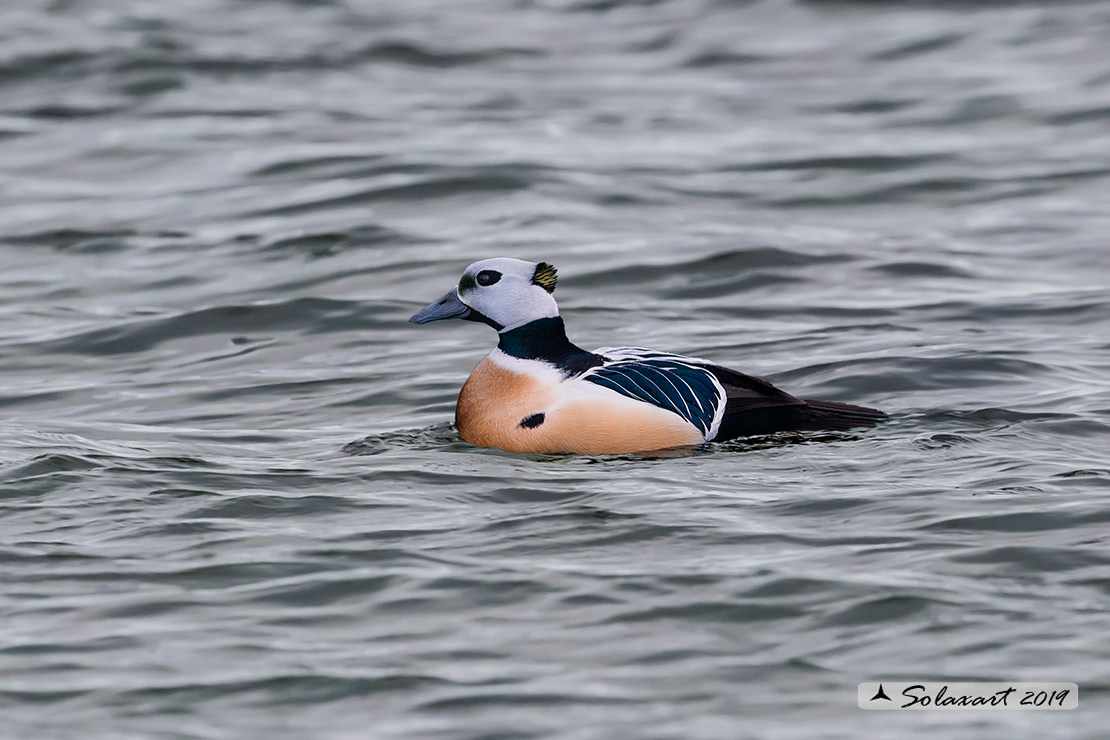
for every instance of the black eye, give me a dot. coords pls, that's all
(488, 277)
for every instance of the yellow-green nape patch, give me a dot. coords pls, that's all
(545, 276)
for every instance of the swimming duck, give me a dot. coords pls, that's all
(538, 392)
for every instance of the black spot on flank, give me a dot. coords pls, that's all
(533, 421)
(488, 277)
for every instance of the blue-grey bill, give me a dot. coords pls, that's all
(447, 307)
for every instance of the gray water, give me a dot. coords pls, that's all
(232, 502)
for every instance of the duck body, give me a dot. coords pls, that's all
(528, 406)
(536, 392)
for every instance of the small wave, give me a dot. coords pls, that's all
(695, 271)
(431, 437)
(444, 184)
(308, 315)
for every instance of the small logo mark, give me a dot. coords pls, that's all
(880, 694)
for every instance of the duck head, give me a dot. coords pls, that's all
(502, 292)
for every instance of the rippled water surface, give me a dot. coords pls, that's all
(233, 505)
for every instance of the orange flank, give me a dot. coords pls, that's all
(495, 400)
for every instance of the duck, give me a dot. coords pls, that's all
(537, 392)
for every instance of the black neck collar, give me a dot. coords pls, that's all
(546, 339)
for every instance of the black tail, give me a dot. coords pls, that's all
(813, 416)
(834, 415)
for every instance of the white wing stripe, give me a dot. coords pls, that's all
(664, 380)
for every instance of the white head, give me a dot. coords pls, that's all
(503, 292)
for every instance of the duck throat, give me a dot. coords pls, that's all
(546, 340)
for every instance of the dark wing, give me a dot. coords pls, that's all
(668, 381)
(754, 406)
(751, 405)
(746, 392)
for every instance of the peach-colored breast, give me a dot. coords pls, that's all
(495, 400)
